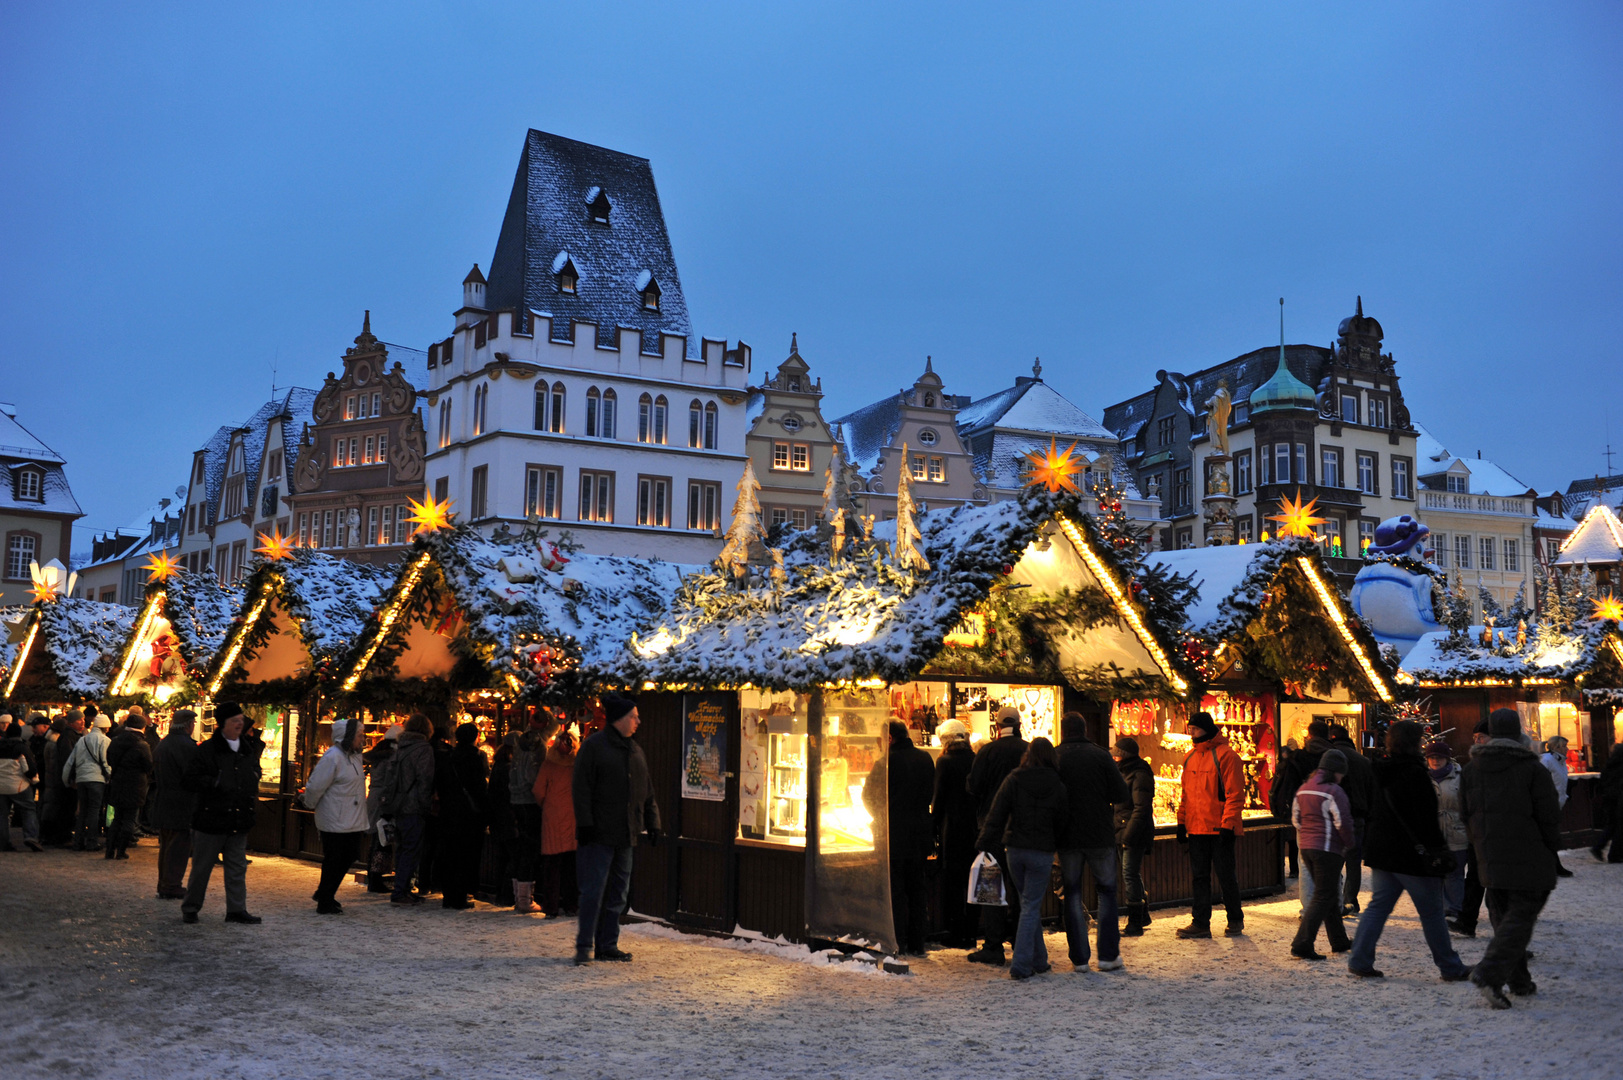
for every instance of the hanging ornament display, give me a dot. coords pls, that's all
(429, 515)
(1054, 469)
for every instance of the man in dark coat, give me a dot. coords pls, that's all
(460, 782)
(1611, 801)
(173, 804)
(225, 777)
(1135, 832)
(1093, 786)
(57, 828)
(1514, 817)
(993, 764)
(145, 825)
(952, 811)
(1359, 784)
(131, 761)
(614, 805)
(908, 776)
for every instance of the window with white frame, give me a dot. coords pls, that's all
(1513, 556)
(1349, 406)
(918, 467)
(780, 455)
(797, 517)
(653, 501)
(1456, 484)
(21, 550)
(1485, 549)
(1366, 533)
(1400, 479)
(1329, 467)
(1300, 475)
(1439, 542)
(1366, 473)
(596, 496)
(30, 486)
(704, 505)
(1242, 473)
(1242, 528)
(1282, 463)
(1377, 412)
(800, 457)
(1181, 493)
(611, 402)
(1462, 552)
(543, 491)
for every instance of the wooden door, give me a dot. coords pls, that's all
(705, 813)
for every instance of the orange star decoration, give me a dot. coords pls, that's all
(43, 590)
(429, 515)
(274, 545)
(1295, 519)
(160, 567)
(1609, 607)
(1053, 469)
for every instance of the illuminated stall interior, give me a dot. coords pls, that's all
(183, 623)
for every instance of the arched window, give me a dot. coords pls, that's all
(645, 418)
(557, 416)
(710, 419)
(541, 407)
(695, 423)
(592, 397)
(610, 400)
(661, 406)
(480, 393)
(445, 421)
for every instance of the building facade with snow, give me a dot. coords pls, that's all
(360, 455)
(114, 573)
(1328, 423)
(37, 508)
(570, 391)
(789, 443)
(1481, 520)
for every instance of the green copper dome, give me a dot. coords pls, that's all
(1282, 391)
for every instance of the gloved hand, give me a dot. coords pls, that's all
(653, 837)
(1227, 835)
(583, 835)
(1183, 835)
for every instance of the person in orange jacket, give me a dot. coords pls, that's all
(1208, 821)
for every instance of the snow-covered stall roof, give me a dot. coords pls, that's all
(863, 617)
(1593, 650)
(68, 650)
(299, 616)
(1236, 582)
(464, 599)
(1597, 539)
(193, 610)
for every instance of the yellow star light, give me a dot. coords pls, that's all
(274, 545)
(43, 590)
(160, 567)
(1609, 607)
(1294, 518)
(1053, 469)
(429, 515)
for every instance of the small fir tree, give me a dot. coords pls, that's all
(1518, 611)
(906, 553)
(1491, 611)
(746, 524)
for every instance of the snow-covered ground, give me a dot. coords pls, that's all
(97, 978)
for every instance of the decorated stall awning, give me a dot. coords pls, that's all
(1588, 653)
(1023, 589)
(519, 616)
(302, 611)
(1274, 607)
(182, 625)
(66, 650)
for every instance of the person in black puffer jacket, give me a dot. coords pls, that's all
(993, 763)
(130, 758)
(1611, 801)
(1029, 819)
(1094, 786)
(1513, 814)
(1135, 832)
(952, 811)
(225, 775)
(1403, 837)
(461, 783)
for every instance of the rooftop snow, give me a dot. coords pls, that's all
(1433, 457)
(1597, 539)
(1031, 405)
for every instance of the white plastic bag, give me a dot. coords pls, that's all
(986, 882)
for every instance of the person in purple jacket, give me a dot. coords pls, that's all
(1324, 831)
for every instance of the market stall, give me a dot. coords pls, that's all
(182, 625)
(300, 613)
(62, 653)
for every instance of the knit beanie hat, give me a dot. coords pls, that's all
(1333, 761)
(1504, 724)
(1204, 721)
(1128, 746)
(615, 706)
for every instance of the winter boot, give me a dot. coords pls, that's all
(1138, 917)
(523, 897)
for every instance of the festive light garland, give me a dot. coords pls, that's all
(238, 641)
(387, 620)
(1333, 606)
(147, 618)
(1123, 603)
(22, 655)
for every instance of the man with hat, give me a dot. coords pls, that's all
(995, 761)
(952, 812)
(1209, 822)
(225, 776)
(614, 805)
(1514, 818)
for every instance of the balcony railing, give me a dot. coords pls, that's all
(1475, 504)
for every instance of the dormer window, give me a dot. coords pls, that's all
(648, 289)
(1457, 484)
(597, 205)
(563, 268)
(30, 485)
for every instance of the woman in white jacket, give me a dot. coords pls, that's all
(336, 791)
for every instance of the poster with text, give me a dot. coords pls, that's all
(704, 752)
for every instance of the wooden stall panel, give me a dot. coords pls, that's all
(771, 891)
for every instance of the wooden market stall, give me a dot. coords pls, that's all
(301, 612)
(62, 653)
(183, 622)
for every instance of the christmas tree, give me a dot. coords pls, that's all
(1491, 611)
(906, 554)
(1518, 612)
(746, 524)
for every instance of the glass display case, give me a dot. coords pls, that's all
(772, 766)
(855, 735)
(277, 726)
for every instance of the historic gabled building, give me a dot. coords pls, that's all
(920, 423)
(360, 455)
(789, 443)
(37, 508)
(1481, 520)
(114, 573)
(1328, 423)
(570, 392)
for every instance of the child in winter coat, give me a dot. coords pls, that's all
(1324, 831)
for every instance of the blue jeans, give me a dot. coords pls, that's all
(605, 886)
(24, 802)
(1426, 893)
(1031, 871)
(1454, 885)
(408, 850)
(1102, 861)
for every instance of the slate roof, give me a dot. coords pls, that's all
(1432, 457)
(413, 363)
(18, 442)
(865, 432)
(296, 404)
(547, 215)
(19, 445)
(1244, 374)
(1001, 429)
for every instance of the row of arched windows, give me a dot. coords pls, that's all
(602, 416)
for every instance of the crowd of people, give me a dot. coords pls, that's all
(1451, 837)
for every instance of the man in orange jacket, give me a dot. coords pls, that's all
(1208, 821)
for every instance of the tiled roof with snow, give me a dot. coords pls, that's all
(57, 496)
(19, 443)
(413, 365)
(1031, 405)
(1433, 457)
(200, 611)
(868, 430)
(1243, 374)
(1597, 539)
(548, 213)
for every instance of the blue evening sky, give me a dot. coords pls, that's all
(192, 194)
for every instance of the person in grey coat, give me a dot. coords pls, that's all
(407, 796)
(173, 804)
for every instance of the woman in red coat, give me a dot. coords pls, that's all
(554, 794)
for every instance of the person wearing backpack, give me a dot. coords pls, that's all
(88, 771)
(528, 754)
(379, 763)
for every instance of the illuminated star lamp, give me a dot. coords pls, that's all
(1053, 469)
(1295, 519)
(51, 581)
(1608, 607)
(429, 515)
(274, 545)
(161, 567)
